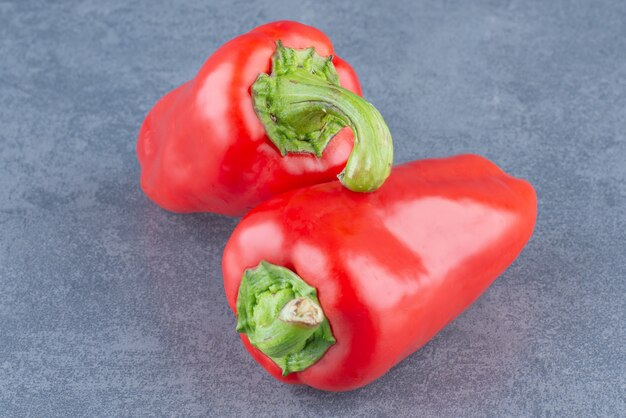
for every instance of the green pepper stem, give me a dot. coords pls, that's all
(295, 323)
(282, 317)
(302, 106)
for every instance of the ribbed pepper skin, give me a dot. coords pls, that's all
(202, 148)
(393, 267)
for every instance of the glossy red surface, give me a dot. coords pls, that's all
(392, 267)
(202, 147)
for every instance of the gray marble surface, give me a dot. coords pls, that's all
(110, 306)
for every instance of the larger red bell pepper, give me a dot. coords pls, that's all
(333, 288)
(234, 136)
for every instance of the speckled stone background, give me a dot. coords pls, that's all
(110, 306)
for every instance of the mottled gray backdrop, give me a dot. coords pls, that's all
(110, 306)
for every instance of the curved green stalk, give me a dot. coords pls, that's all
(302, 106)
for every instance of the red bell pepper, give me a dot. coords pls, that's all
(333, 288)
(234, 136)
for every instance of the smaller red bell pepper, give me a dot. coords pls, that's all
(257, 120)
(333, 288)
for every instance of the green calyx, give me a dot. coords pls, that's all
(281, 316)
(302, 107)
